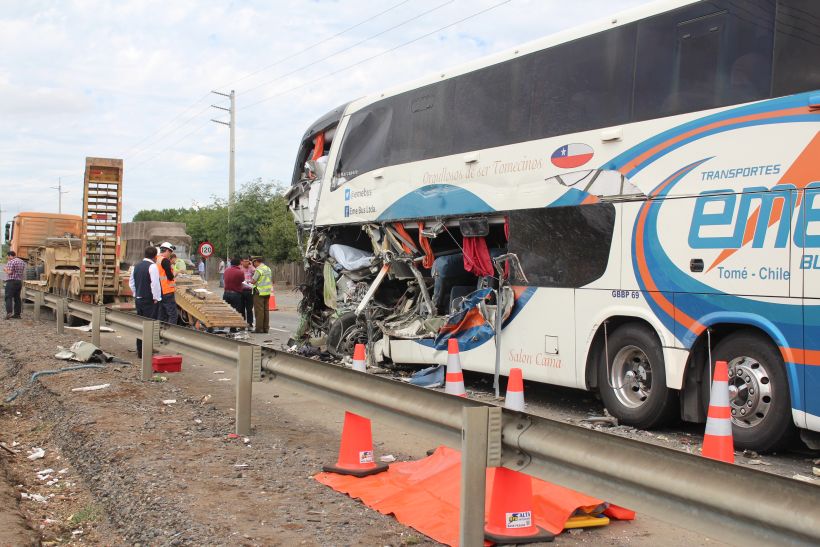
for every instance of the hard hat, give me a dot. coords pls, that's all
(166, 245)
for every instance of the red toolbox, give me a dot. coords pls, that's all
(166, 363)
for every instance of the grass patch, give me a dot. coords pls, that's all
(89, 513)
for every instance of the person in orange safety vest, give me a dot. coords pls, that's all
(168, 305)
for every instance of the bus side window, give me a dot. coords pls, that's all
(583, 84)
(562, 246)
(702, 56)
(364, 146)
(797, 47)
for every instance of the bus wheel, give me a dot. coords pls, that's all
(758, 392)
(632, 379)
(343, 335)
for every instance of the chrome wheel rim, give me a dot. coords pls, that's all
(750, 391)
(631, 376)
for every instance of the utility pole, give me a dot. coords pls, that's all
(2, 227)
(60, 193)
(232, 162)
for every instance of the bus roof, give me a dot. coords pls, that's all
(568, 35)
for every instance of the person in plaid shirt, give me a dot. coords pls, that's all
(14, 284)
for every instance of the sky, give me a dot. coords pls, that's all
(132, 80)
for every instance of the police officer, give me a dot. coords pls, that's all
(168, 306)
(263, 285)
(146, 288)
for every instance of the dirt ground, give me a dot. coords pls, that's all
(132, 467)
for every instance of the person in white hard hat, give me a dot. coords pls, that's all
(168, 305)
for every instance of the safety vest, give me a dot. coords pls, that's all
(168, 285)
(264, 280)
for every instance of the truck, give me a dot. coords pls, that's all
(90, 260)
(79, 256)
(29, 233)
(138, 235)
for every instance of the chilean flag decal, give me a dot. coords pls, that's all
(572, 155)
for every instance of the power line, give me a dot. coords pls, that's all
(362, 61)
(314, 44)
(167, 124)
(385, 52)
(128, 154)
(314, 62)
(169, 133)
(196, 129)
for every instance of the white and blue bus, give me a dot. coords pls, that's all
(612, 208)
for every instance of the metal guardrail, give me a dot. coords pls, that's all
(727, 502)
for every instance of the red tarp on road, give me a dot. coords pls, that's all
(424, 495)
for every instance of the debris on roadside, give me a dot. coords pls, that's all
(34, 497)
(602, 420)
(83, 352)
(87, 328)
(91, 388)
(169, 402)
(428, 377)
(36, 453)
(45, 474)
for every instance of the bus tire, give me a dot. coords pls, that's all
(759, 392)
(632, 378)
(342, 335)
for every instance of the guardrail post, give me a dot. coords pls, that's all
(96, 321)
(59, 315)
(149, 337)
(244, 389)
(38, 304)
(480, 449)
(473, 474)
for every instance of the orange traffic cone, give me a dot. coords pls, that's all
(717, 441)
(272, 302)
(455, 378)
(510, 520)
(514, 399)
(358, 358)
(356, 450)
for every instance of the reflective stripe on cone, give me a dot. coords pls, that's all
(717, 439)
(455, 378)
(514, 400)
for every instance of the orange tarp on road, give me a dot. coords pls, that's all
(424, 495)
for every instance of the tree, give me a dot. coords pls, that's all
(259, 223)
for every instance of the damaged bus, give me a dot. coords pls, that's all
(612, 208)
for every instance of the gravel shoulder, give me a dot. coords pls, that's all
(135, 470)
